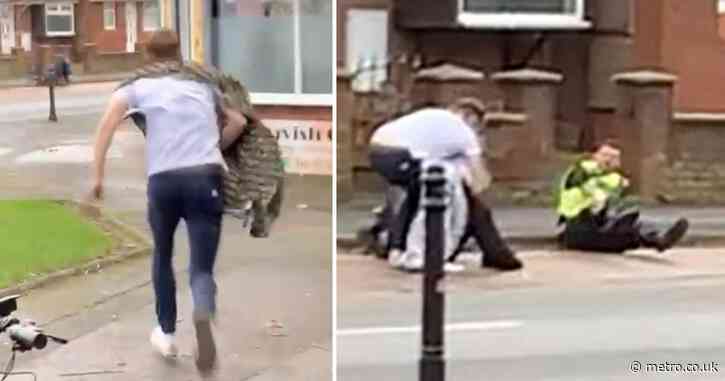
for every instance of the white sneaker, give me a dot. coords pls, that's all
(413, 262)
(451, 267)
(416, 263)
(396, 258)
(164, 343)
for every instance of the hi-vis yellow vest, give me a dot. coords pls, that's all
(591, 193)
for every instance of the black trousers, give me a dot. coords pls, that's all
(608, 234)
(482, 228)
(399, 168)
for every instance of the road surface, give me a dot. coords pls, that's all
(567, 317)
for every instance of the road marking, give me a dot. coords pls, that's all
(454, 327)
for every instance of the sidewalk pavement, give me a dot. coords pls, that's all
(29, 81)
(286, 279)
(528, 226)
(362, 278)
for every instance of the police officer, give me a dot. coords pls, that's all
(596, 213)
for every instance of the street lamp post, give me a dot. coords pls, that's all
(435, 199)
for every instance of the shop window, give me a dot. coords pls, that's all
(280, 49)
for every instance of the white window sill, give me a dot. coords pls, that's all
(521, 21)
(60, 34)
(272, 99)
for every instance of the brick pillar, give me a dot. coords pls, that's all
(344, 137)
(644, 117)
(445, 83)
(533, 92)
(82, 13)
(89, 57)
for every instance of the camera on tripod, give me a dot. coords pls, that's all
(25, 335)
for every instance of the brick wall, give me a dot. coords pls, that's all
(106, 40)
(7, 67)
(344, 144)
(691, 48)
(695, 182)
(696, 172)
(116, 62)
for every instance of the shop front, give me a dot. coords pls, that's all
(281, 50)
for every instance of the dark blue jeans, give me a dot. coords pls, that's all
(399, 168)
(194, 194)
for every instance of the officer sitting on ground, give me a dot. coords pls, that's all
(596, 214)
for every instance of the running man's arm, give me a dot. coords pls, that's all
(235, 123)
(110, 121)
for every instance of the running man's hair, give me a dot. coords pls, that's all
(164, 45)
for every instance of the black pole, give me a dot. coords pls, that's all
(177, 19)
(215, 16)
(432, 363)
(51, 88)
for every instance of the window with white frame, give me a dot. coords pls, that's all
(523, 14)
(59, 19)
(721, 6)
(280, 49)
(151, 15)
(109, 15)
(366, 41)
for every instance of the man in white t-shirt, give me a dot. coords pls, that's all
(396, 151)
(185, 168)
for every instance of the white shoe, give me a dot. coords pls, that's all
(451, 267)
(413, 262)
(164, 343)
(416, 263)
(396, 258)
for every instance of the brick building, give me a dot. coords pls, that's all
(567, 49)
(42, 29)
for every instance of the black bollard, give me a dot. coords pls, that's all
(51, 88)
(432, 363)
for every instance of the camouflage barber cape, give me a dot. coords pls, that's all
(254, 184)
